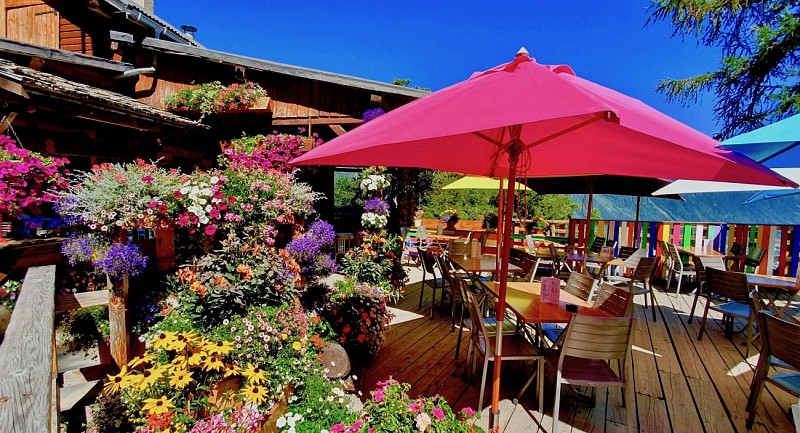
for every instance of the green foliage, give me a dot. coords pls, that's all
(83, 328)
(477, 204)
(345, 191)
(405, 82)
(321, 404)
(758, 79)
(110, 415)
(376, 263)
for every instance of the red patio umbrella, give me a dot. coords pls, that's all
(538, 121)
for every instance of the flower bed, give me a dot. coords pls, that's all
(213, 97)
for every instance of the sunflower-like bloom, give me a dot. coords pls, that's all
(149, 377)
(220, 348)
(232, 370)
(164, 340)
(255, 393)
(254, 374)
(196, 355)
(213, 362)
(158, 406)
(180, 379)
(145, 358)
(117, 382)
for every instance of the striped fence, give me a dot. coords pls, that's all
(780, 242)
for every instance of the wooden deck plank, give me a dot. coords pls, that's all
(680, 384)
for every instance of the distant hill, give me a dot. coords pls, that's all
(711, 207)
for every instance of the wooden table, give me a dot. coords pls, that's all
(781, 285)
(603, 261)
(524, 299)
(708, 251)
(476, 265)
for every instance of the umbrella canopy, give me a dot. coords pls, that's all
(777, 146)
(542, 121)
(480, 182)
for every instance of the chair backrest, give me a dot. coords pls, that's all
(428, 261)
(580, 285)
(754, 257)
(422, 234)
(737, 249)
(625, 252)
(644, 269)
(614, 300)
(780, 338)
(664, 249)
(729, 284)
(674, 255)
(458, 247)
(474, 304)
(592, 337)
(598, 244)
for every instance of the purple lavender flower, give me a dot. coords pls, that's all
(372, 114)
(376, 205)
(81, 249)
(120, 260)
(323, 232)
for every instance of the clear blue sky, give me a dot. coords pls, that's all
(438, 43)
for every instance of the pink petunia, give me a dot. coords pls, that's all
(147, 179)
(210, 230)
(379, 395)
(438, 413)
(339, 428)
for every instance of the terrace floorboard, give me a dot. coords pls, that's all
(681, 384)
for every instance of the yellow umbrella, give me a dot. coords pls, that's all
(480, 182)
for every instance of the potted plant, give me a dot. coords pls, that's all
(214, 97)
(86, 328)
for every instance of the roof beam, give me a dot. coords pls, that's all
(317, 121)
(16, 47)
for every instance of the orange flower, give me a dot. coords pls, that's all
(245, 271)
(198, 288)
(220, 281)
(186, 275)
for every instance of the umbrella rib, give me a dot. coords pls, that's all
(595, 118)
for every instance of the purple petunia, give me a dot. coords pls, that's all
(376, 205)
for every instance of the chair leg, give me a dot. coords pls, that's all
(422, 290)
(557, 402)
(703, 321)
(694, 303)
(755, 392)
(680, 277)
(483, 381)
(540, 385)
(652, 302)
(628, 398)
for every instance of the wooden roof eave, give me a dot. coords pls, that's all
(24, 49)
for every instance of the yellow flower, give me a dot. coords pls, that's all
(180, 379)
(158, 406)
(254, 374)
(150, 377)
(116, 383)
(164, 340)
(220, 347)
(255, 393)
(297, 346)
(179, 344)
(139, 360)
(178, 363)
(196, 355)
(284, 336)
(232, 370)
(213, 362)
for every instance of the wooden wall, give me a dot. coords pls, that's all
(32, 21)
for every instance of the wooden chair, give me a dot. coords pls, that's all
(561, 267)
(516, 347)
(677, 267)
(450, 289)
(616, 301)
(640, 282)
(700, 265)
(733, 289)
(509, 327)
(429, 277)
(525, 261)
(754, 258)
(583, 359)
(779, 340)
(579, 285)
(457, 247)
(735, 257)
(343, 244)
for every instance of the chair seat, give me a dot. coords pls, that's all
(775, 362)
(552, 331)
(790, 381)
(640, 289)
(509, 327)
(583, 372)
(514, 346)
(736, 309)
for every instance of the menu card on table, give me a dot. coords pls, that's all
(551, 290)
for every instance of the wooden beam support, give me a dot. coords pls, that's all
(13, 87)
(6, 123)
(317, 121)
(81, 300)
(36, 63)
(337, 129)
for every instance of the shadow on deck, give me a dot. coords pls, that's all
(681, 384)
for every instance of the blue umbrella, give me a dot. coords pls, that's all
(777, 146)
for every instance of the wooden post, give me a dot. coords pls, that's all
(27, 373)
(118, 321)
(165, 248)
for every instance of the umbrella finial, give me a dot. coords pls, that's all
(522, 52)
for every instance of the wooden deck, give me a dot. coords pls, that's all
(681, 384)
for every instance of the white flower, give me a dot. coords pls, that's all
(214, 180)
(423, 421)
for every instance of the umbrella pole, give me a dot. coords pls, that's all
(500, 306)
(636, 223)
(588, 224)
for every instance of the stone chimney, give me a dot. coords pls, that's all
(146, 5)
